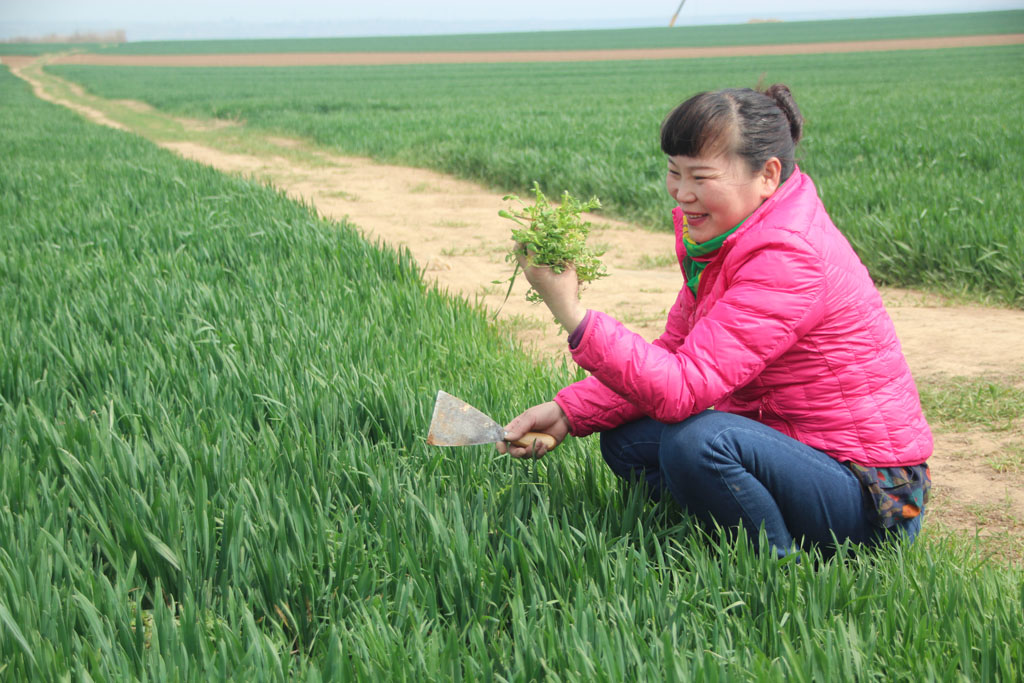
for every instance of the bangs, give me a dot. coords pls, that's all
(703, 125)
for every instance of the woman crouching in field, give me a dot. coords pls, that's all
(816, 431)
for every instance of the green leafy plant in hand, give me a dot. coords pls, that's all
(554, 236)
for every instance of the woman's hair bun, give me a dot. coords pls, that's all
(784, 99)
(755, 124)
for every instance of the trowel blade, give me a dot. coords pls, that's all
(456, 423)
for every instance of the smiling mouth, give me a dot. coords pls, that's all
(695, 218)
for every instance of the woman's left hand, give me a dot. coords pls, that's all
(560, 291)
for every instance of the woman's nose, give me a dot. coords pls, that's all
(683, 194)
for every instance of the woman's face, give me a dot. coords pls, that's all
(718, 192)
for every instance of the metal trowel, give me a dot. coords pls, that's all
(456, 423)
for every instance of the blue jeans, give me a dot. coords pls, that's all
(731, 470)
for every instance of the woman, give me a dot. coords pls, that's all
(817, 432)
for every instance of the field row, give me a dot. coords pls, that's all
(981, 23)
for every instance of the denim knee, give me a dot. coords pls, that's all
(683, 441)
(612, 446)
(631, 452)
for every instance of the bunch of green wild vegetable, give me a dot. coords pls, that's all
(554, 236)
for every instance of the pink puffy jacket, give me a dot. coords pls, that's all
(787, 329)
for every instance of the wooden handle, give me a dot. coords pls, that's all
(527, 440)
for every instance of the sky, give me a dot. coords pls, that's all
(185, 19)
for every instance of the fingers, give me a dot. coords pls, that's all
(521, 257)
(536, 451)
(550, 425)
(514, 431)
(541, 274)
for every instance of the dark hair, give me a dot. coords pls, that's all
(756, 125)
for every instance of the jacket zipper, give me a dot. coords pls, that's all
(784, 425)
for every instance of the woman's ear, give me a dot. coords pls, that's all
(770, 177)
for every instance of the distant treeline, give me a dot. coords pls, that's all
(117, 36)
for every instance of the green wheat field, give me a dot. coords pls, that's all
(213, 404)
(916, 153)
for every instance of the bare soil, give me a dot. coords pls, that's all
(377, 58)
(453, 230)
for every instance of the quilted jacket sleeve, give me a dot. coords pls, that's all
(775, 295)
(591, 406)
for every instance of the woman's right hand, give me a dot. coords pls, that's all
(547, 418)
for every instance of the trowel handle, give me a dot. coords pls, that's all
(527, 440)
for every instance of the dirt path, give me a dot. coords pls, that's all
(378, 58)
(453, 230)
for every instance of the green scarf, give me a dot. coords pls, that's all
(694, 251)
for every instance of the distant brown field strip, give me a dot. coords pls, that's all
(383, 58)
